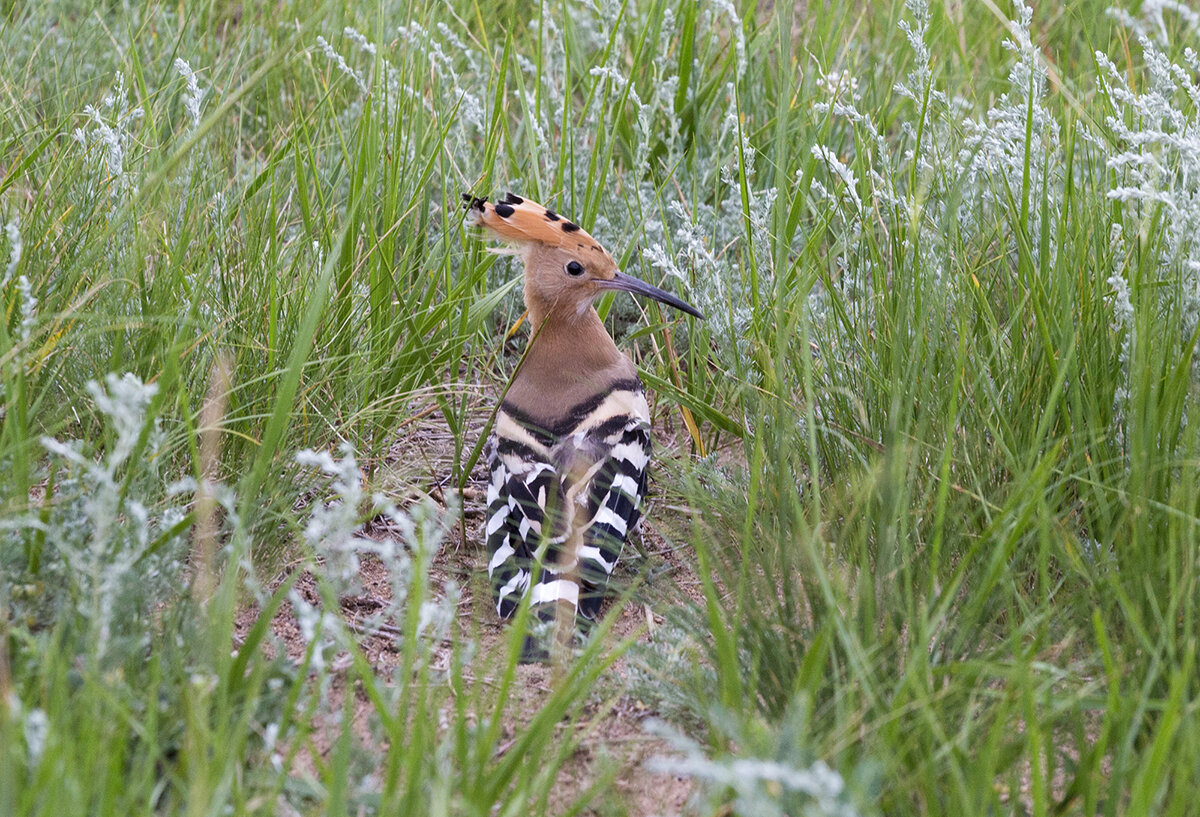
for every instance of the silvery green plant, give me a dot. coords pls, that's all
(665, 669)
(12, 232)
(711, 15)
(788, 782)
(193, 101)
(1123, 323)
(109, 553)
(332, 528)
(920, 172)
(1151, 22)
(334, 534)
(1157, 160)
(456, 69)
(193, 96)
(34, 728)
(340, 62)
(106, 140)
(27, 305)
(26, 302)
(993, 156)
(698, 243)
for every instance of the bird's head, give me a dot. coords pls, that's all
(565, 268)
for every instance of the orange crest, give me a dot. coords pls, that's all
(521, 220)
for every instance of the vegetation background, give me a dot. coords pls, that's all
(932, 457)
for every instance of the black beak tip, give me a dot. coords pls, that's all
(681, 305)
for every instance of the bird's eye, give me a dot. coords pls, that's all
(574, 269)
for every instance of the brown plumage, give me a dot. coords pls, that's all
(572, 437)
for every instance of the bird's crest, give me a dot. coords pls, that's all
(521, 220)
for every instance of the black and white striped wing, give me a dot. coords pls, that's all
(524, 483)
(516, 498)
(614, 504)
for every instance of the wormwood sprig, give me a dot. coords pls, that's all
(752, 784)
(1123, 321)
(15, 245)
(1158, 160)
(26, 302)
(106, 141)
(193, 98)
(1152, 20)
(111, 548)
(333, 531)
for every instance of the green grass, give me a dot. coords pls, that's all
(949, 537)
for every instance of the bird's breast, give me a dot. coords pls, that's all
(548, 423)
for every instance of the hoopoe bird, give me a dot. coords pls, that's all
(571, 440)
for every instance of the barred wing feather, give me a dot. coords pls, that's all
(518, 493)
(614, 508)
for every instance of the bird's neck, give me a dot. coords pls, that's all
(571, 359)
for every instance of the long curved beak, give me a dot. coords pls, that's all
(627, 283)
